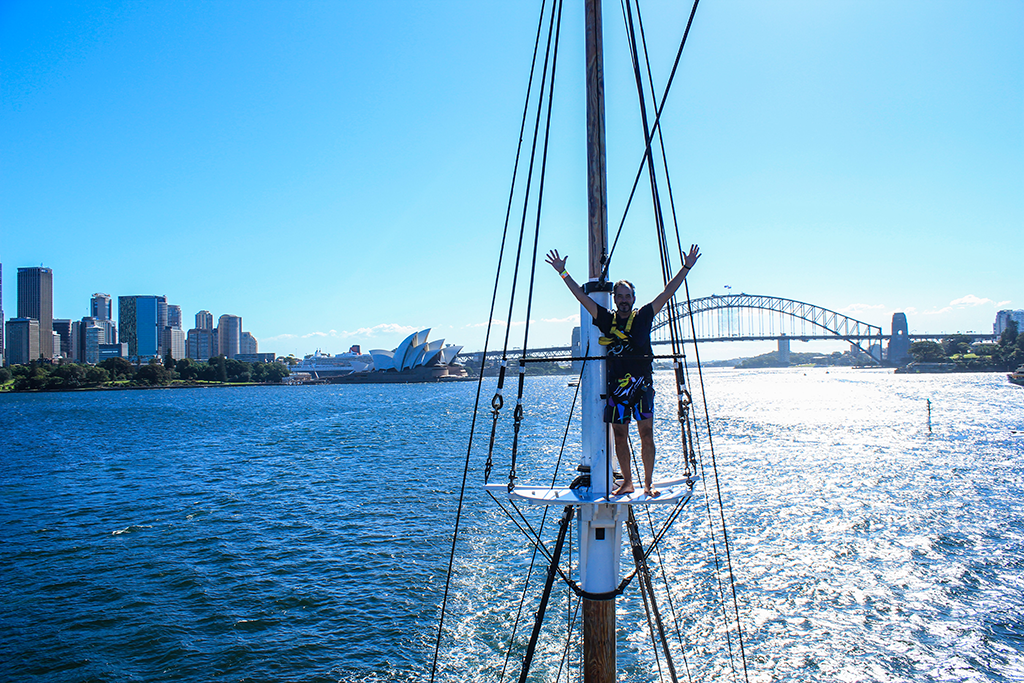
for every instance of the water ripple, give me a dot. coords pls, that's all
(302, 533)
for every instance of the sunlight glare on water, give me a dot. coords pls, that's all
(303, 533)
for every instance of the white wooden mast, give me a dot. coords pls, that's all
(600, 525)
(601, 517)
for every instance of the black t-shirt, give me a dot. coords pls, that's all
(628, 356)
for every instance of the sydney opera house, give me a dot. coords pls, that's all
(415, 360)
(416, 354)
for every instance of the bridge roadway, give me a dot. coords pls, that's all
(560, 352)
(754, 317)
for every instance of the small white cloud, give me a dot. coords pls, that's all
(1001, 304)
(379, 330)
(853, 309)
(362, 332)
(939, 311)
(495, 322)
(970, 300)
(570, 319)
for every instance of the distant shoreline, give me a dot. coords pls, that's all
(64, 390)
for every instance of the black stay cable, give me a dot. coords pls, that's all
(661, 138)
(674, 326)
(533, 558)
(627, 9)
(554, 31)
(483, 360)
(721, 507)
(659, 223)
(497, 402)
(647, 591)
(647, 152)
(549, 583)
(543, 177)
(673, 319)
(529, 179)
(522, 602)
(563, 661)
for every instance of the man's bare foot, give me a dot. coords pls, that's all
(623, 488)
(651, 493)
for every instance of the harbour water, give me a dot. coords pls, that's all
(303, 533)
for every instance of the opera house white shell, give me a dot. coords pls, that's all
(415, 352)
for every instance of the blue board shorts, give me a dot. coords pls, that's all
(630, 398)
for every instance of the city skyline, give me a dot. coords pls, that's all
(340, 173)
(228, 338)
(147, 326)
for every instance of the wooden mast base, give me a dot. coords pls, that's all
(598, 641)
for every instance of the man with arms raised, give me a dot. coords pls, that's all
(627, 334)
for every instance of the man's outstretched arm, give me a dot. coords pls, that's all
(675, 282)
(558, 263)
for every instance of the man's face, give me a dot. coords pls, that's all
(623, 299)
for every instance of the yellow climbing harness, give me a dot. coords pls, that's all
(615, 334)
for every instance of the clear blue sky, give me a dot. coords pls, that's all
(336, 172)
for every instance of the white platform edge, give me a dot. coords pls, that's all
(672, 491)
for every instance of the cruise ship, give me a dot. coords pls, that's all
(325, 366)
(415, 360)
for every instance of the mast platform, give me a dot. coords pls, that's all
(672, 491)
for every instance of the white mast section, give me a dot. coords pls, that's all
(601, 517)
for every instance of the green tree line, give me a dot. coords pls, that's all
(1006, 354)
(43, 376)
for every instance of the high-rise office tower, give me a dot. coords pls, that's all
(23, 340)
(204, 320)
(172, 337)
(101, 310)
(139, 318)
(35, 300)
(63, 328)
(229, 335)
(1003, 319)
(248, 346)
(201, 342)
(174, 316)
(101, 306)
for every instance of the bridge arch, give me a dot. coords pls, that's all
(753, 317)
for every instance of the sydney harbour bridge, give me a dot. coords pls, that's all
(755, 317)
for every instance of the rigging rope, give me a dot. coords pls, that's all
(518, 413)
(674, 330)
(647, 591)
(684, 400)
(647, 152)
(721, 508)
(533, 558)
(483, 357)
(563, 528)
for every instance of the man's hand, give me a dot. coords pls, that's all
(692, 257)
(556, 261)
(673, 284)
